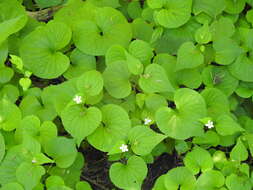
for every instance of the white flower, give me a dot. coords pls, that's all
(123, 148)
(77, 99)
(34, 160)
(209, 124)
(147, 121)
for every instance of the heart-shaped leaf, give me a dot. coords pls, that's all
(143, 140)
(179, 177)
(115, 126)
(130, 175)
(189, 56)
(43, 57)
(108, 27)
(175, 14)
(62, 150)
(80, 121)
(116, 79)
(10, 115)
(198, 159)
(155, 79)
(90, 83)
(29, 175)
(182, 122)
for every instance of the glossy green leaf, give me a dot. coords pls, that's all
(175, 13)
(188, 56)
(143, 140)
(198, 160)
(43, 57)
(62, 150)
(94, 37)
(182, 122)
(114, 127)
(155, 79)
(130, 175)
(180, 177)
(80, 121)
(29, 175)
(116, 79)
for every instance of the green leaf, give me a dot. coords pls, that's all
(12, 186)
(222, 28)
(210, 179)
(141, 29)
(115, 126)
(130, 175)
(226, 51)
(134, 65)
(175, 14)
(83, 185)
(242, 68)
(105, 3)
(211, 7)
(80, 63)
(96, 35)
(80, 121)
(203, 35)
(9, 165)
(143, 140)
(43, 57)
(239, 152)
(54, 180)
(182, 122)
(90, 83)
(13, 18)
(44, 3)
(217, 102)
(10, 115)
(72, 174)
(62, 150)
(219, 77)
(6, 74)
(116, 79)
(234, 182)
(234, 6)
(188, 56)
(179, 177)
(2, 147)
(190, 78)
(115, 53)
(198, 160)
(29, 175)
(227, 125)
(155, 79)
(141, 50)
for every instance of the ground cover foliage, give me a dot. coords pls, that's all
(126, 94)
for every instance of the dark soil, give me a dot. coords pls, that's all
(96, 170)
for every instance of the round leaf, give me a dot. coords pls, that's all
(80, 122)
(108, 27)
(143, 140)
(116, 79)
(176, 13)
(180, 177)
(115, 126)
(43, 56)
(90, 83)
(188, 56)
(198, 159)
(155, 79)
(62, 150)
(130, 175)
(182, 122)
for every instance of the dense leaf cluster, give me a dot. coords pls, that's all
(132, 79)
